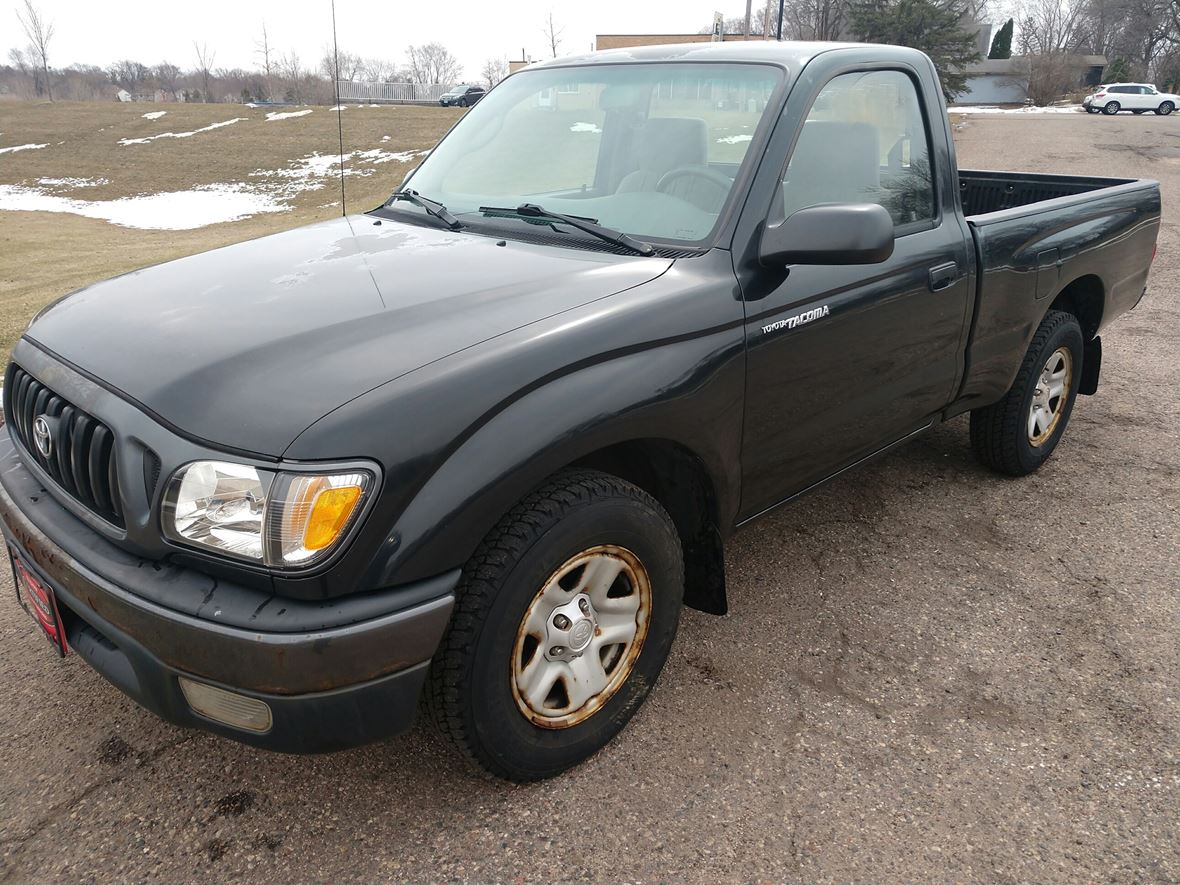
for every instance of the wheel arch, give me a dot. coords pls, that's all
(1085, 298)
(679, 480)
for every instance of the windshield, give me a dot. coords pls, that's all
(648, 149)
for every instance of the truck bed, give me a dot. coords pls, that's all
(984, 192)
(1040, 236)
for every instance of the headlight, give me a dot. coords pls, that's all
(283, 520)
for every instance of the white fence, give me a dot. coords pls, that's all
(399, 93)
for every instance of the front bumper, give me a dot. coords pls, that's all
(335, 674)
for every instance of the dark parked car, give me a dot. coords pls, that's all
(461, 96)
(481, 443)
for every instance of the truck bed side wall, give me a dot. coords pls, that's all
(1028, 255)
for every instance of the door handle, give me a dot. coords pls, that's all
(943, 276)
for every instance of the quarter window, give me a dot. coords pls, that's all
(864, 141)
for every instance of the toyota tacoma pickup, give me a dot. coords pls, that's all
(471, 451)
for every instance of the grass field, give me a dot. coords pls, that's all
(46, 254)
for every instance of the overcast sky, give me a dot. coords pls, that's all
(150, 31)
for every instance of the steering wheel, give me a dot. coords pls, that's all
(719, 180)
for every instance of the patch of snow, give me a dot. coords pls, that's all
(734, 139)
(339, 107)
(211, 126)
(376, 155)
(1028, 109)
(277, 115)
(178, 210)
(73, 182)
(23, 147)
(585, 127)
(315, 171)
(385, 138)
(154, 115)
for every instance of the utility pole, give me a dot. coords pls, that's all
(748, 5)
(780, 18)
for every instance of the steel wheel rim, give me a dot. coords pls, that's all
(1050, 396)
(580, 637)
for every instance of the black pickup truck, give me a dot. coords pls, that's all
(476, 447)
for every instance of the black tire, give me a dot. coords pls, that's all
(1165, 108)
(1091, 110)
(1000, 432)
(470, 692)
(462, 102)
(1111, 108)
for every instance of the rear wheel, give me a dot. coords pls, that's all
(564, 619)
(1018, 434)
(1165, 108)
(1111, 108)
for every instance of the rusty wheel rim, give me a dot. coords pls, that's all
(1050, 396)
(580, 637)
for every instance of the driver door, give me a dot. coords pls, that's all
(843, 360)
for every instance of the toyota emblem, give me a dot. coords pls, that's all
(43, 436)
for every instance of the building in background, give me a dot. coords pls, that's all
(1005, 80)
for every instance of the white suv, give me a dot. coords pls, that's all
(1133, 97)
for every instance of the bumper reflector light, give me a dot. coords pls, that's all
(227, 707)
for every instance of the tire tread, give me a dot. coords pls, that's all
(506, 544)
(996, 429)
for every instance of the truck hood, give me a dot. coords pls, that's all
(248, 345)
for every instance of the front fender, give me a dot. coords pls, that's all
(465, 439)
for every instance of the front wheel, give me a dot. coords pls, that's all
(1165, 108)
(563, 621)
(1111, 108)
(1018, 434)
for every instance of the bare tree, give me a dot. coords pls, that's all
(379, 70)
(167, 76)
(433, 63)
(128, 74)
(294, 75)
(263, 50)
(494, 70)
(204, 63)
(1050, 75)
(1049, 26)
(351, 65)
(39, 33)
(552, 34)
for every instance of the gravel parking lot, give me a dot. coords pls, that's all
(929, 673)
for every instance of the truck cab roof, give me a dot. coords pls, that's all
(790, 54)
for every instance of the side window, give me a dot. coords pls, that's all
(864, 141)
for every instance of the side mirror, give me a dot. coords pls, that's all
(831, 233)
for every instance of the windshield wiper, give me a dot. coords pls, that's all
(431, 207)
(588, 225)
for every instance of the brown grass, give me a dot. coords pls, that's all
(44, 255)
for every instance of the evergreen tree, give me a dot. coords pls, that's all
(1118, 71)
(929, 25)
(1002, 42)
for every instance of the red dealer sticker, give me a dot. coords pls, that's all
(37, 598)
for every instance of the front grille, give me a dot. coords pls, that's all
(81, 456)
